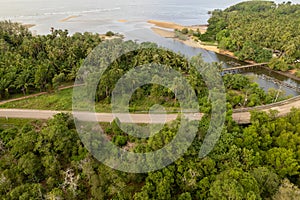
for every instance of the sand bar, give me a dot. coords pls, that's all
(171, 25)
(163, 33)
(190, 42)
(122, 20)
(69, 18)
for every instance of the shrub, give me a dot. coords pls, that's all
(109, 33)
(278, 64)
(185, 31)
(119, 140)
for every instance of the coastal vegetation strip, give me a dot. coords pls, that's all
(160, 29)
(248, 31)
(260, 31)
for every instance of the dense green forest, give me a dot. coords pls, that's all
(37, 63)
(255, 30)
(46, 160)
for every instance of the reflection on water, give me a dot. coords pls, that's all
(268, 79)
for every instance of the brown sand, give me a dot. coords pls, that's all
(192, 43)
(69, 18)
(292, 74)
(171, 25)
(122, 20)
(29, 25)
(293, 71)
(163, 33)
(189, 42)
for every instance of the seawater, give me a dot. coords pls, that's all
(101, 16)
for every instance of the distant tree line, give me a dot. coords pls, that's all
(256, 30)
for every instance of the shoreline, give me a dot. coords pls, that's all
(159, 29)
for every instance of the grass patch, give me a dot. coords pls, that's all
(33, 92)
(62, 101)
(13, 123)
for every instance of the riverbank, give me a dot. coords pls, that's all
(161, 29)
(290, 74)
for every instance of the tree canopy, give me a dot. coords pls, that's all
(38, 63)
(47, 160)
(255, 30)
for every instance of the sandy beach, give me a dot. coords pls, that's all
(190, 42)
(163, 32)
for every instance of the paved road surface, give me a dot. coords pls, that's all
(242, 117)
(101, 117)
